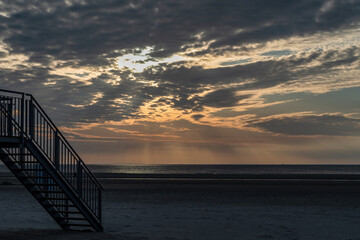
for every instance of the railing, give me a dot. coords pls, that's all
(8, 119)
(22, 116)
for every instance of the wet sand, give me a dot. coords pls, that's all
(212, 210)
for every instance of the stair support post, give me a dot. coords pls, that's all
(31, 119)
(9, 118)
(22, 117)
(22, 132)
(99, 204)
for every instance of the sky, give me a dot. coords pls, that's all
(191, 82)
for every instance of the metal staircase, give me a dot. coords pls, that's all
(36, 152)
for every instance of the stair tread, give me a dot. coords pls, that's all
(47, 191)
(26, 162)
(54, 198)
(73, 218)
(35, 177)
(27, 169)
(64, 199)
(15, 154)
(60, 205)
(41, 185)
(77, 225)
(64, 211)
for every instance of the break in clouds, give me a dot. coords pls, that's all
(168, 70)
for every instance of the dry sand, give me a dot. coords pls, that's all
(241, 211)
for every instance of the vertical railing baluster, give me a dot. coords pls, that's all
(22, 136)
(79, 179)
(22, 118)
(9, 118)
(31, 119)
(99, 204)
(56, 150)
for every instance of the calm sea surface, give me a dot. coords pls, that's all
(220, 169)
(226, 169)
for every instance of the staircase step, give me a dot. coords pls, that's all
(60, 205)
(47, 191)
(64, 211)
(41, 184)
(54, 198)
(28, 169)
(16, 154)
(77, 225)
(73, 218)
(35, 177)
(19, 162)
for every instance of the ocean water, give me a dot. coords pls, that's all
(218, 169)
(226, 169)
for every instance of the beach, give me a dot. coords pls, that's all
(200, 120)
(141, 209)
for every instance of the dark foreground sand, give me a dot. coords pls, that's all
(208, 210)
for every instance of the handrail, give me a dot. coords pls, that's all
(16, 92)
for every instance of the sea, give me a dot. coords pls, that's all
(219, 169)
(226, 169)
(133, 170)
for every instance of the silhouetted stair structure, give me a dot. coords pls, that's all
(36, 152)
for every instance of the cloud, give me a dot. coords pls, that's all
(93, 33)
(309, 125)
(277, 53)
(67, 54)
(194, 88)
(190, 89)
(223, 98)
(197, 117)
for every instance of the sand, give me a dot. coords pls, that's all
(145, 210)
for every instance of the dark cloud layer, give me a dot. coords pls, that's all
(332, 125)
(183, 82)
(89, 32)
